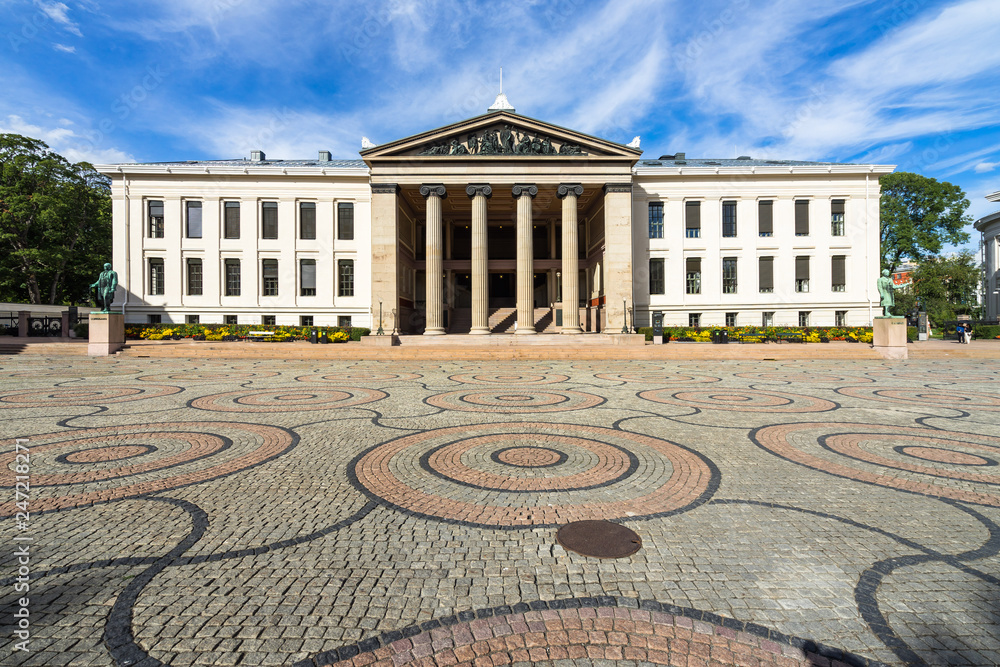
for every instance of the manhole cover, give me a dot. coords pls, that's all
(600, 539)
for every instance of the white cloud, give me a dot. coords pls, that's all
(59, 12)
(64, 48)
(984, 167)
(64, 140)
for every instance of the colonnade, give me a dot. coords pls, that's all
(523, 194)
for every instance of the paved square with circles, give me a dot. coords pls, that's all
(282, 512)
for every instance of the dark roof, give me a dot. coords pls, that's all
(732, 162)
(244, 162)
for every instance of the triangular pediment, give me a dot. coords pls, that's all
(500, 135)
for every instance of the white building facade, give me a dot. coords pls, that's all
(519, 217)
(989, 227)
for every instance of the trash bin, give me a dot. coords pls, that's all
(314, 337)
(715, 336)
(723, 336)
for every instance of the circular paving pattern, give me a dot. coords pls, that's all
(360, 376)
(508, 378)
(487, 475)
(208, 376)
(514, 400)
(810, 378)
(941, 398)
(287, 399)
(585, 631)
(653, 377)
(91, 465)
(945, 464)
(738, 400)
(83, 395)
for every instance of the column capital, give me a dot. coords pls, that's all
(385, 189)
(529, 189)
(617, 187)
(433, 189)
(569, 188)
(473, 189)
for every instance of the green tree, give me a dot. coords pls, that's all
(943, 286)
(55, 223)
(918, 215)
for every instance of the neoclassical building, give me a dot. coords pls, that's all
(498, 224)
(989, 227)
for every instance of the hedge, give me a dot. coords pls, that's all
(237, 330)
(809, 334)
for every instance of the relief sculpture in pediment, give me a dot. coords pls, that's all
(501, 141)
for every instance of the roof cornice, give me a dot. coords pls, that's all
(760, 170)
(229, 170)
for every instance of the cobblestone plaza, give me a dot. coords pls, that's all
(279, 512)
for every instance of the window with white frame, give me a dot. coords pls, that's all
(232, 277)
(656, 278)
(765, 275)
(728, 219)
(692, 278)
(802, 217)
(232, 220)
(193, 219)
(194, 276)
(840, 318)
(307, 220)
(803, 318)
(767, 318)
(156, 284)
(307, 277)
(345, 221)
(837, 217)
(269, 220)
(656, 220)
(765, 217)
(269, 277)
(802, 273)
(731, 319)
(155, 219)
(838, 273)
(345, 277)
(692, 219)
(729, 281)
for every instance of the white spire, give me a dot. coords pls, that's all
(501, 103)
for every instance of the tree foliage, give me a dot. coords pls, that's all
(918, 215)
(943, 286)
(55, 223)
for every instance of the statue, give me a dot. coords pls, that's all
(457, 149)
(885, 287)
(506, 140)
(106, 285)
(473, 143)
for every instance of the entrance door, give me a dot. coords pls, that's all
(502, 290)
(541, 290)
(463, 290)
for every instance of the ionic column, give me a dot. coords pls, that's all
(525, 260)
(480, 255)
(435, 296)
(570, 258)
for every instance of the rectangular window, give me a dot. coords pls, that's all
(802, 274)
(194, 277)
(155, 219)
(767, 319)
(729, 275)
(731, 319)
(345, 221)
(345, 275)
(692, 219)
(156, 276)
(232, 277)
(307, 220)
(803, 318)
(154, 319)
(729, 219)
(837, 217)
(694, 319)
(269, 220)
(192, 319)
(840, 318)
(269, 275)
(344, 321)
(765, 275)
(838, 272)
(656, 281)
(692, 282)
(305, 320)
(231, 320)
(232, 216)
(765, 218)
(802, 217)
(307, 277)
(656, 220)
(269, 320)
(193, 219)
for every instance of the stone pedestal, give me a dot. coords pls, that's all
(889, 337)
(107, 334)
(388, 340)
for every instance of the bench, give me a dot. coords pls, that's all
(789, 337)
(266, 336)
(750, 337)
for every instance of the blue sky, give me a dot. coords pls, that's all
(906, 82)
